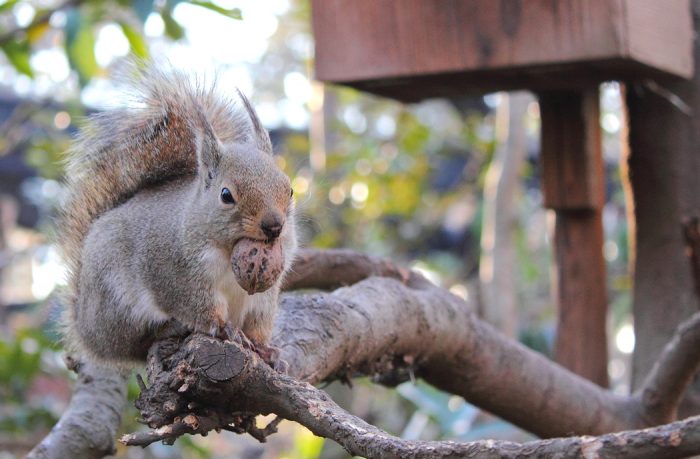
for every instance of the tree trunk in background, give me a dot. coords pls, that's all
(9, 212)
(664, 175)
(4, 256)
(497, 266)
(318, 107)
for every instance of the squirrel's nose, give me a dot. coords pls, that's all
(271, 225)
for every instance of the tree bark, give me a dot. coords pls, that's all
(663, 165)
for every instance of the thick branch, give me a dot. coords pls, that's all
(331, 269)
(205, 368)
(655, 403)
(387, 329)
(88, 427)
(381, 326)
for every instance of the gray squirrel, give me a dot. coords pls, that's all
(159, 194)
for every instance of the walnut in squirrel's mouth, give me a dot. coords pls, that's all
(257, 264)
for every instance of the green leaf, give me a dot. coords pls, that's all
(80, 46)
(18, 54)
(136, 42)
(233, 13)
(4, 6)
(172, 28)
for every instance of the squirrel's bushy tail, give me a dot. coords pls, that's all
(149, 141)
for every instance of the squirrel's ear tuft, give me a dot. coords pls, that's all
(262, 137)
(208, 150)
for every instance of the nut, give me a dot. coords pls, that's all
(257, 264)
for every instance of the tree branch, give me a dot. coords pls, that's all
(389, 328)
(88, 427)
(381, 327)
(195, 371)
(335, 268)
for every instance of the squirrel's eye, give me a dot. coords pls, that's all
(227, 197)
(291, 193)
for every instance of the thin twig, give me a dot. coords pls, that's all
(673, 372)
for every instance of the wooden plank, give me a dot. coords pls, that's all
(396, 47)
(573, 185)
(660, 36)
(538, 78)
(572, 164)
(385, 38)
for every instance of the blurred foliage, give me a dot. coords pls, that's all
(389, 192)
(451, 413)
(24, 359)
(82, 19)
(306, 445)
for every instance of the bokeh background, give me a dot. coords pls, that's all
(409, 182)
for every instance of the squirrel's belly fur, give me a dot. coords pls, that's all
(230, 299)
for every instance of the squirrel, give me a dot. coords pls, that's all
(158, 195)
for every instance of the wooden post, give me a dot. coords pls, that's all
(573, 185)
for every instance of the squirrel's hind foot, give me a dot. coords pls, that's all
(271, 356)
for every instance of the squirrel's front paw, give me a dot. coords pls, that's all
(216, 328)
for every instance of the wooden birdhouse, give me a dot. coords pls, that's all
(414, 49)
